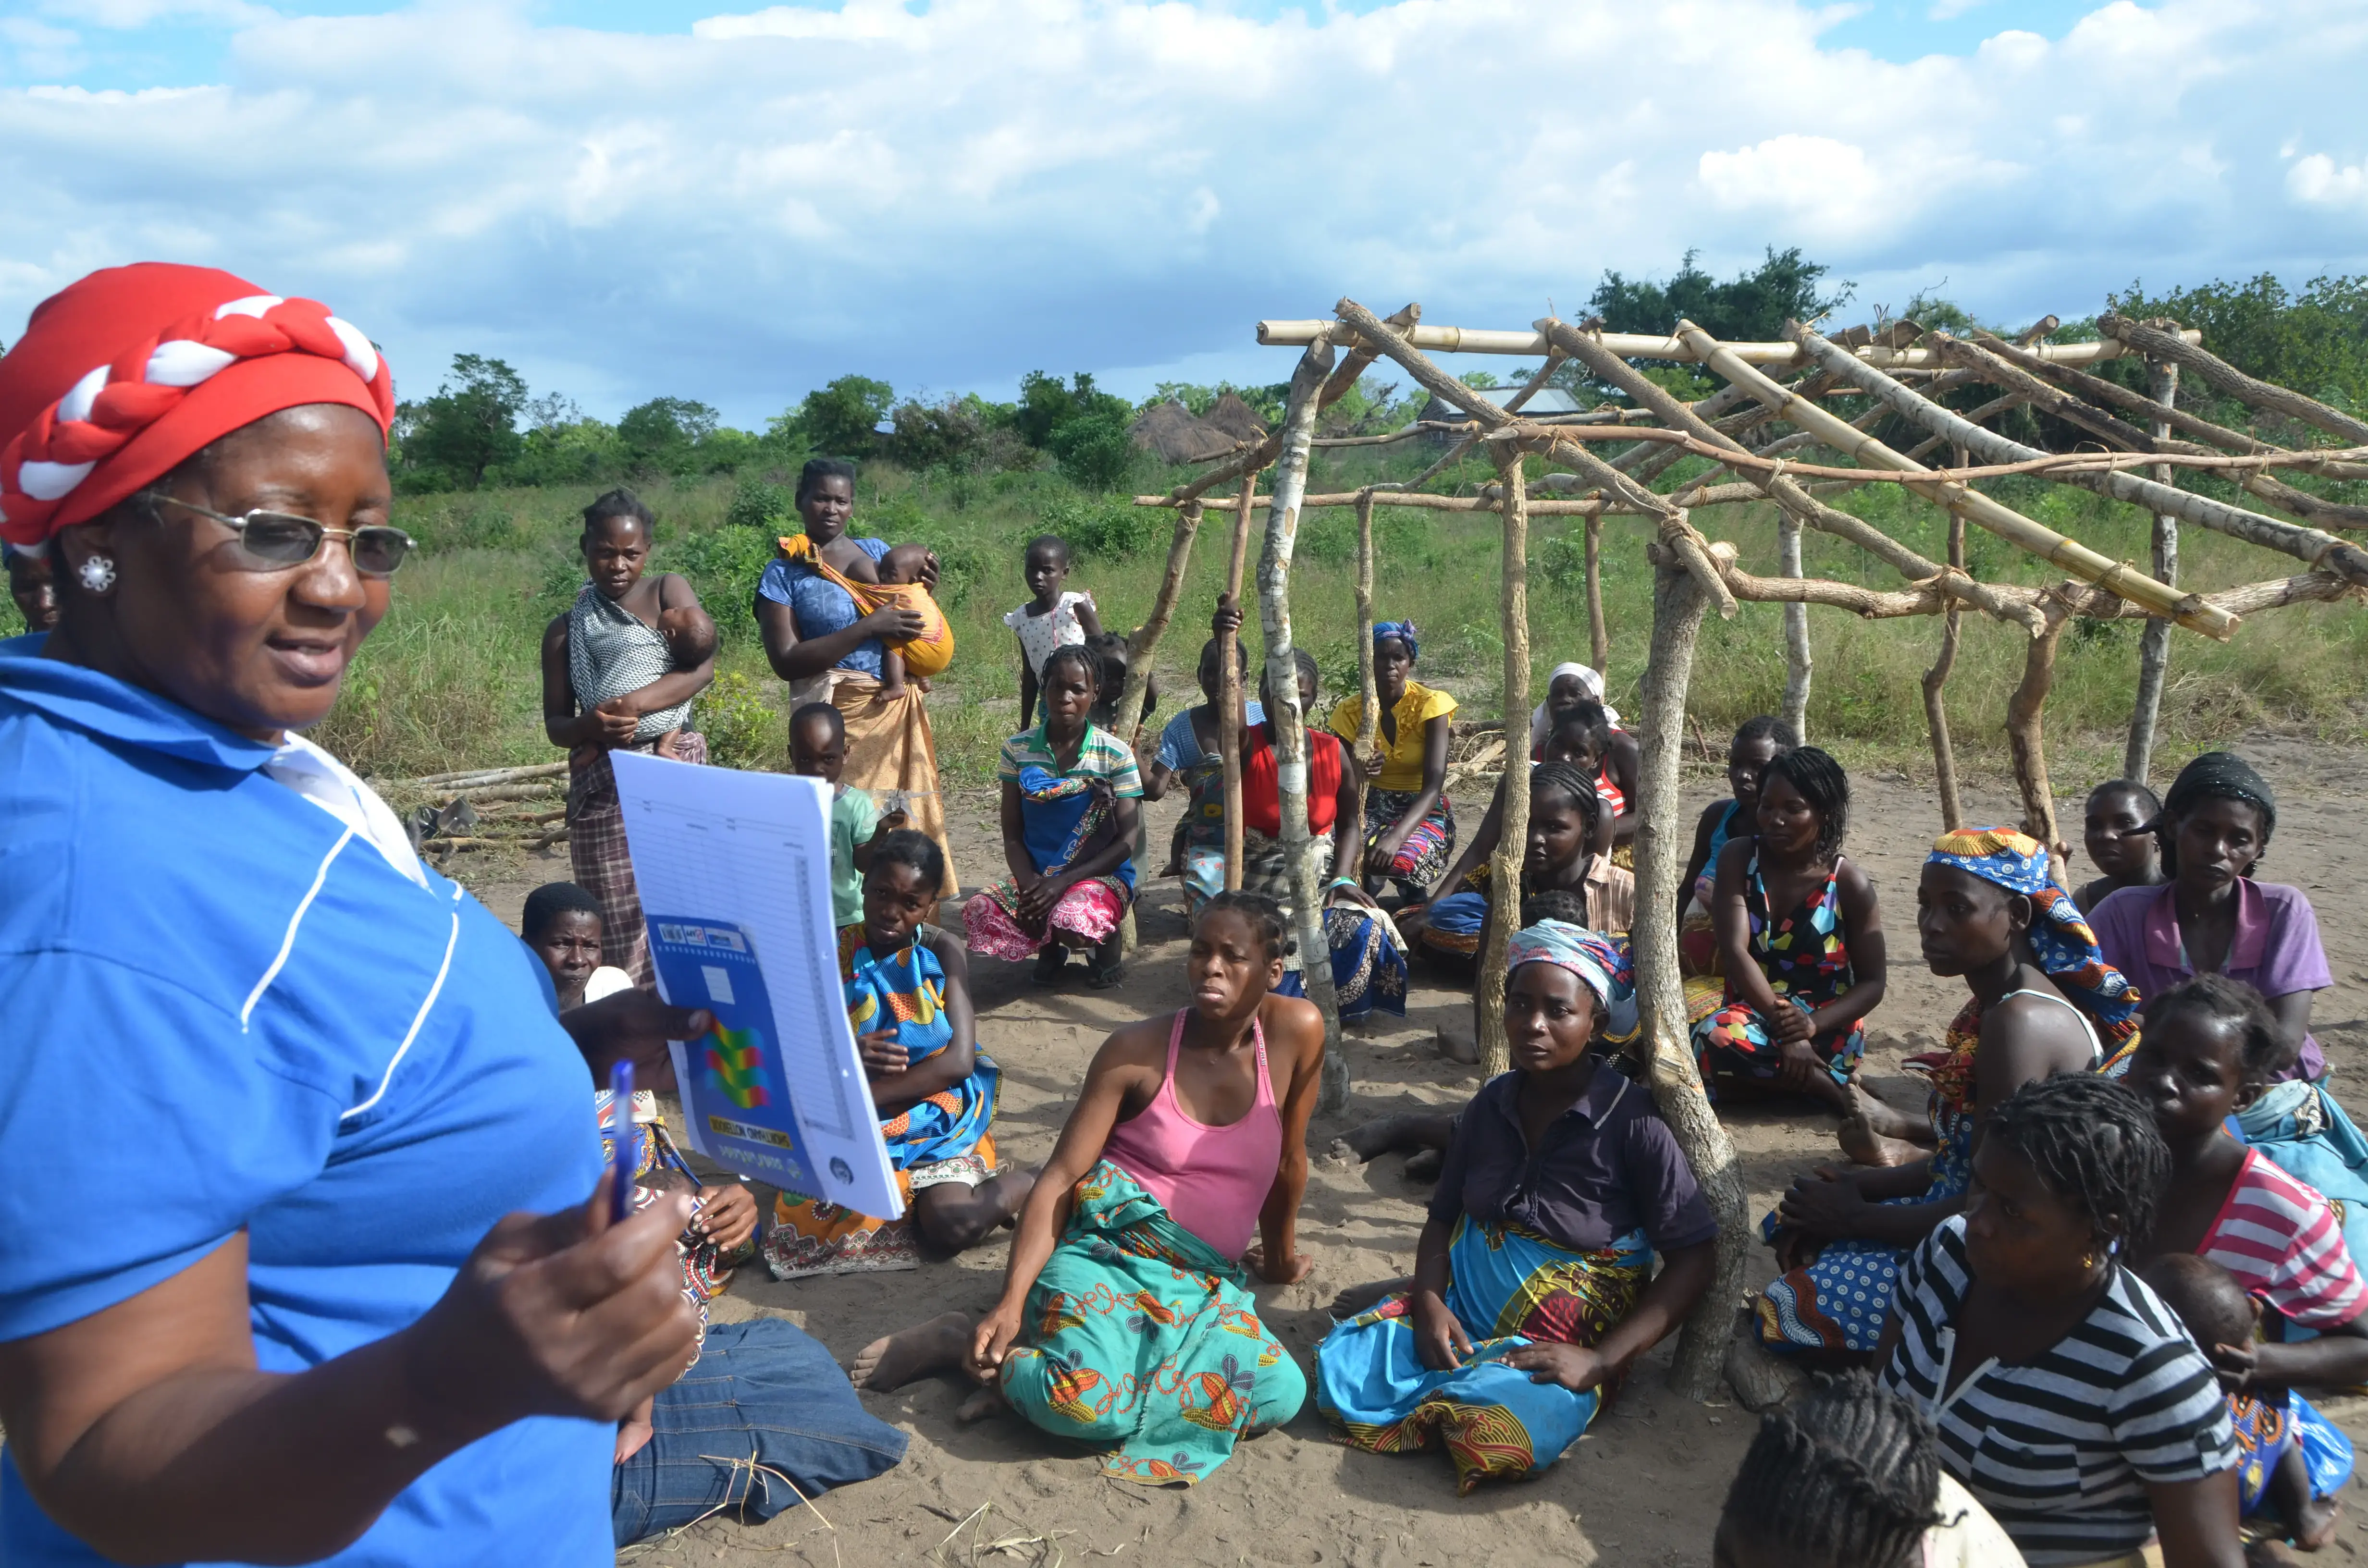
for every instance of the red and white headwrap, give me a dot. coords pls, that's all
(125, 375)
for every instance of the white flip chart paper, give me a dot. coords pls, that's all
(733, 871)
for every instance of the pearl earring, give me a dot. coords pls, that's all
(97, 572)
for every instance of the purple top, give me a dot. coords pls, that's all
(1608, 1166)
(2275, 949)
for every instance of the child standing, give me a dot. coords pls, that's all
(818, 750)
(1054, 619)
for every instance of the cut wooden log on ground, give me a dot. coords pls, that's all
(538, 789)
(480, 777)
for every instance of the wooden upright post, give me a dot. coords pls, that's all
(1512, 841)
(1144, 642)
(2154, 642)
(1285, 722)
(1229, 690)
(1662, 843)
(1797, 660)
(1598, 635)
(1368, 726)
(1936, 711)
(2026, 734)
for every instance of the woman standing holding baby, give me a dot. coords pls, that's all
(822, 642)
(619, 669)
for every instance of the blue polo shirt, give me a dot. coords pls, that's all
(221, 1010)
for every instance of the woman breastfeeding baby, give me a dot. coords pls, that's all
(1126, 1318)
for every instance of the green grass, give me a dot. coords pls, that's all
(453, 679)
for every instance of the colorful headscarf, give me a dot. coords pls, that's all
(1602, 963)
(2216, 775)
(125, 375)
(2059, 935)
(1401, 629)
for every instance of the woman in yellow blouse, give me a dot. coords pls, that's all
(1410, 827)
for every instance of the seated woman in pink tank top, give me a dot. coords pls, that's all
(1126, 1317)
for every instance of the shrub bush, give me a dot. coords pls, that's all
(723, 565)
(1110, 529)
(737, 721)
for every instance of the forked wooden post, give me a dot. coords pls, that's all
(1662, 846)
(1285, 722)
(1229, 690)
(1512, 840)
(1936, 711)
(1797, 659)
(2154, 642)
(1598, 635)
(2026, 734)
(1144, 642)
(1369, 725)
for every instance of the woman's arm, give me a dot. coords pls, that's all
(1106, 860)
(951, 1062)
(611, 723)
(1700, 855)
(2293, 1014)
(1015, 840)
(147, 1430)
(1685, 1275)
(1862, 926)
(1434, 783)
(1348, 819)
(1134, 1058)
(1439, 1339)
(2196, 1522)
(1028, 693)
(1297, 1023)
(1483, 840)
(802, 658)
(2337, 1359)
(1731, 918)
(1625, 764)
(1089, 619)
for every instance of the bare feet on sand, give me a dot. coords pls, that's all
(1455, 1048)
(981, 1403)
(936, 1346)
(1877, 1133)
(2315, 1528)
(1378, 1136)
(1365, 1298)
(1424, 1164)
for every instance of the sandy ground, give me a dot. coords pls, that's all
(1645, 1486)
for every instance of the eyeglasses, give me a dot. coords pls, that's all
(276, 540)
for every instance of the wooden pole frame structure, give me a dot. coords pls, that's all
(1901, 373)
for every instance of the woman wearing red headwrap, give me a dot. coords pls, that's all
(342, 1294)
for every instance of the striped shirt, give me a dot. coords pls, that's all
(2281, 1241)
(1100, 754)
(2060, 1449)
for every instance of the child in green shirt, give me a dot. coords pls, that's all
(818, 750)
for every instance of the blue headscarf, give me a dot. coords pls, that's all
(1403, 631)
(2059, 935)
(1601, 963)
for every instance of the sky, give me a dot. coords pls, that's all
(632, 198)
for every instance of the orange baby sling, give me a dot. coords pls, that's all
(926, 655)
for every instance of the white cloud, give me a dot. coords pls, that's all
(127, 14)
(952, 194)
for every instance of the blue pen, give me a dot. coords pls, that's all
(628, 1143)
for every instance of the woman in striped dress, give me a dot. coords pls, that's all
(612, 680)
(2070, 1401)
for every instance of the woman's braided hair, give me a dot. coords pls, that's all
(1822, 783)
(1845, 1476)
(1263, 914)
(1077, 653)
(2095, 1145)
(1572, 781)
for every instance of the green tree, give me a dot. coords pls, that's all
(1096, 451)
(842, 420)
(1752, 307)
(662, 435)
(1045, 404)
(2316, 342)
(449, 440)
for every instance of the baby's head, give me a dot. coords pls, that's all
(2215, 1308)
(904, 564)
(689, 634)
(1554, 903)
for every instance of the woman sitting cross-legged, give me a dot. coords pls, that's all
(908, 998)
(1071, 798)
(2044, 1000)
(2210, 1044)
(1801, 940)
(1757, 741)
(1569, 739)
(2070, 1402)
(1409, 825)
(1126, 1317)
(1531, 1296)
(1561, 853)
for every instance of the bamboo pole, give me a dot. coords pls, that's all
(2026, 735)
(2178, 349)
(1936, 708)
(1427, 503)
(1288, 726)
(1785, 492)
(1512, 840)
(1229, 690)
(1598, 635)
(1144, 642)
(1367, 690)
(482, 777)
(1798, 662)
(1662, 846)
(2154, 642)
(1643, 345)
(2009, 525)
(2305, 544)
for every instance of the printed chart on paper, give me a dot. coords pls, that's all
(733, 871)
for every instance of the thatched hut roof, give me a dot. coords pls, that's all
(1235, 418)
(1169, 430)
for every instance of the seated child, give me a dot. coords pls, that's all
(907, 993)
(902, 580)
(2274, 1478)
(1117, 659)
(561, 923)
(1533, 1285)
(1848, 1475)
(2117, 818)
(818, 750)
